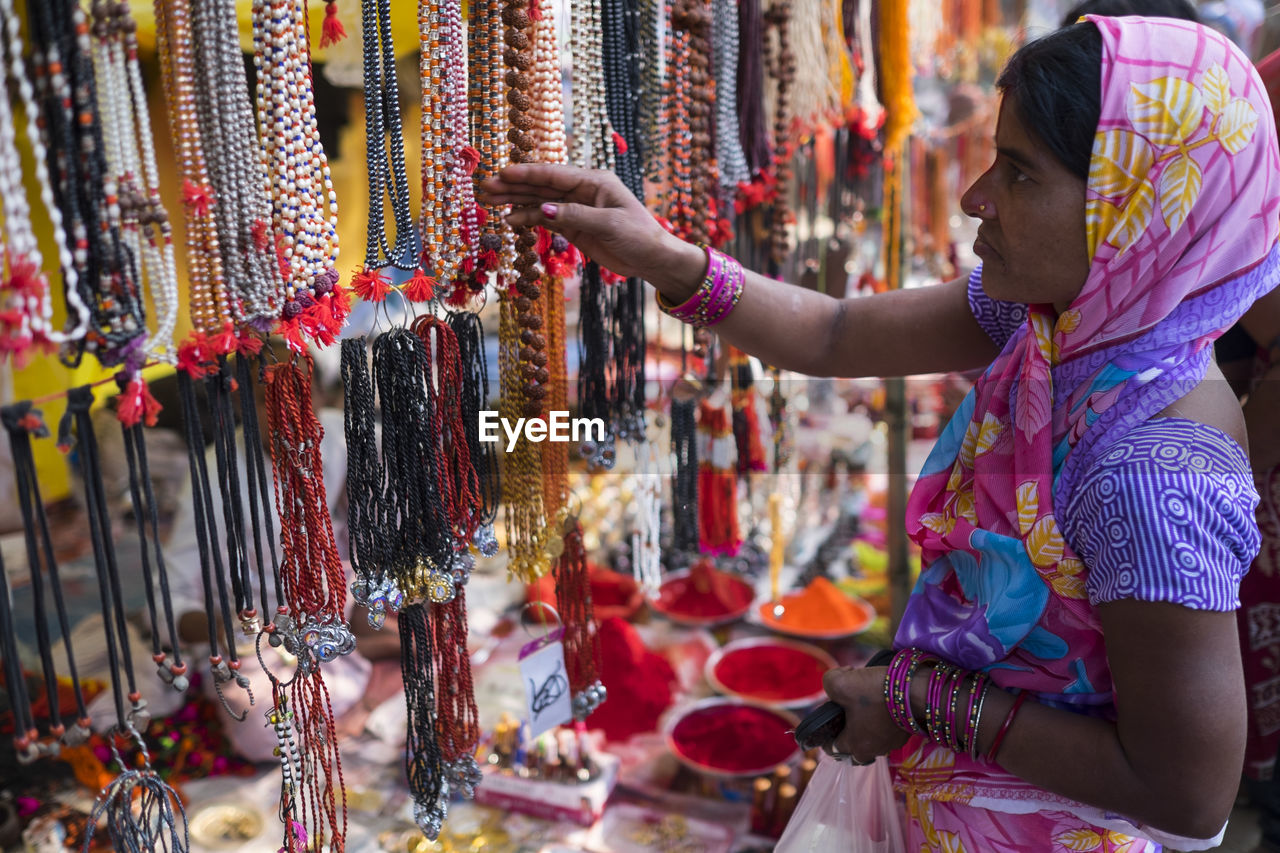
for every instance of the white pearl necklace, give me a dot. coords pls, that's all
(133, 175)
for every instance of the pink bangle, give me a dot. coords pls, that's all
(716, 296)
(933, 705)
(1004, 729)
(954, 683)
(977, 698)
(897, 687)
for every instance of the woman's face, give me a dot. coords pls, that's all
(1031, 238)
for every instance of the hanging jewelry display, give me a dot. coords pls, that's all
(84, 189)
(195, 362)
(450, 217)
(594, 145)
(694, 18)
(249, 367)
(684, 498)
(155, 578)
(474, 364)
(718, 532)
(131, 161)
(814, 94)
(207, 299)
(23, 423)
(621, 57)
(781, 65)
(458, 488)
(419, 552)
(372, 587)
(137, 805)
(581, 639)
(487, 111)
(26, 311)
(725, 58)
(388, 176)
(237, 176)
(753, 125)
(309, 617)
(304, 204)
(653, 16)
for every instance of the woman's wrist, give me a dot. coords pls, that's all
(678, 269)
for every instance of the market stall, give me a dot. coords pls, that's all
(451, 541)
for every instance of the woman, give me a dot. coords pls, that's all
(1087, 514)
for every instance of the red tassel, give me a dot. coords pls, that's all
(197, 197)
(470, 159)
(224, 343)
(248, 344)
(137, 404)
(482, 217)
(194, 355)
(458, 297)
(543, 246)
(489, 260)
(261, 235)
(371, 285)
(421, 288)
(341, 302)
(332, 32)
(535, 10)
(468, 266)
(619, 142)
(291, 331)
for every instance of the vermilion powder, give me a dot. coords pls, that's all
(771, 673)
(734, 738)
(705, 593)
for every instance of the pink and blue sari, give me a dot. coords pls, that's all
(1182, 213)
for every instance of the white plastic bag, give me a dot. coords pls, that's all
(846, 808)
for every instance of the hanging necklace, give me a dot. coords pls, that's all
(487, 55)
(782, 68)
(474, 363)
(83, 188)
(653, 16)
(23, 423)
(131, 160)
(304, 204)
(309, 617)
(581, 638)
(753, 125)
(593, 145)
(24, 290)
(237, 175)
(137, 805)
(384, 141)
(725, 55)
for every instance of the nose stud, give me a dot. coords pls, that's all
(982, 208)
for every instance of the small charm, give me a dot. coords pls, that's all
(485, 541)
(440, 588)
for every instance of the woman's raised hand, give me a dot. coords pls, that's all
(595, 212)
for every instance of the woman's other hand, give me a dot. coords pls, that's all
(869, 731)
(595, 212)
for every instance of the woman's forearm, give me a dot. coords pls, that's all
(924, 330)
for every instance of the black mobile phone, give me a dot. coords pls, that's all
(823, 724)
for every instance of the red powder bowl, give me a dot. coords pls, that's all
(770, 671)
(681, 599)
(732, 737)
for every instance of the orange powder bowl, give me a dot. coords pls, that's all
(820, 611)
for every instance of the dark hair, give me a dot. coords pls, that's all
(1055, 84)
(1183, 9)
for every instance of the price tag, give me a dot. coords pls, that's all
(546, 683)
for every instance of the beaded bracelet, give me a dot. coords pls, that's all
(716, 296)
(954, 687)
(1004, 729)
(933, 703)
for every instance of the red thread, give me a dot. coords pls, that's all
(332, 31)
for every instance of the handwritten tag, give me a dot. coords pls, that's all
(546, 683)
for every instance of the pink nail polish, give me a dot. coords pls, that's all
(550, 210)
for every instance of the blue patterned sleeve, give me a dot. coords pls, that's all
(998, 318)
(1167, 515)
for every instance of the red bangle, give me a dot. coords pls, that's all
(1004, 728)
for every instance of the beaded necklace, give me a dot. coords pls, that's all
(24, 290)
(487, 97)
(304, 204)
(782, 68)
(593, 145)
(753, 125)
(581, 638)
(106, 272)
(724, 54)
(309, 617)
(527, 533)
(131, 161)
(207, 298)
(654, 118)
(237, 175)
(475, 399)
